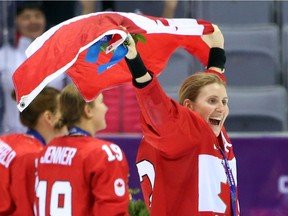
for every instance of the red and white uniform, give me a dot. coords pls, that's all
(179, 161)
(81, 175)
(17, 154)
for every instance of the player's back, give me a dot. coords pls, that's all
(81, 175)
(17, 153)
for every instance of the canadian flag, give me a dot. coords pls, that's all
(66, 48)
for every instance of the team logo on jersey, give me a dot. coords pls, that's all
(119, 187)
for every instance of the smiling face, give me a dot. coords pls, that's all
(212, 105)
(205, 93)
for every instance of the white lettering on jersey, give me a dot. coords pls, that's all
(58, 155)
(146, 168)
(119, 187)
(113, 152)
(211, 177)
(7, 154)
(63, 188)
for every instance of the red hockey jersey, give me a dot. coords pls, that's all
(17, 173)
(81, 175)
(179, 161)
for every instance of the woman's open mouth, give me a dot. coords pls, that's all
(214, 121)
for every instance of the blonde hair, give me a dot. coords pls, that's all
(72, 105)
(191, 86)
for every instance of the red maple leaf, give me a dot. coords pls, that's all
(225, 196)
(119, 184)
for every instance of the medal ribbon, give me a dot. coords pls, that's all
(231, 181)
(76, 131)
(37, 135)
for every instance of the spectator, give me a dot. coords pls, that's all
(30, 23)
(91, 174)
(18, 152)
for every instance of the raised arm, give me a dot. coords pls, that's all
(135, 63)
(216, 62)
(217, 56)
